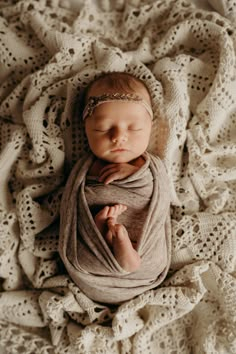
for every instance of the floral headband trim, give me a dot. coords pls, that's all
(95, 101)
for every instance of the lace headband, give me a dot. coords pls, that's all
(95, 101)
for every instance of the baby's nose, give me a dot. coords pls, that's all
(119, 136)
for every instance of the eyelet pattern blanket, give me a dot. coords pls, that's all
(50, 50)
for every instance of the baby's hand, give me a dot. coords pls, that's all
(116, 171)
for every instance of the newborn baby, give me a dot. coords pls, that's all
(115, 224)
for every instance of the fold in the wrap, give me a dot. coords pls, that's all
(86, 255)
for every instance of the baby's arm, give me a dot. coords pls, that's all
(117, 237)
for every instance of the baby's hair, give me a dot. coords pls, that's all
(120, 81)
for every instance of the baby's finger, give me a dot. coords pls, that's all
(107, 173)
(113, 177)
(109, 237)
(110, 221)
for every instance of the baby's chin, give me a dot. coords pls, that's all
(118, 157)
(117, 160)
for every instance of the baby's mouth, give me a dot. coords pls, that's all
(119, 150)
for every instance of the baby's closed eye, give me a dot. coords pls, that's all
(102, 129)
(135, 128)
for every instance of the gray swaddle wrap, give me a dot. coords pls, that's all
(85, 253)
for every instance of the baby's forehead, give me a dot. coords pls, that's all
(120, 113)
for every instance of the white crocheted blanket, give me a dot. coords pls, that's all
(49, 50)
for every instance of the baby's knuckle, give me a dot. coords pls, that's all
(119, 227)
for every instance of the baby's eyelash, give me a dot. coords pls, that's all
(107, 130)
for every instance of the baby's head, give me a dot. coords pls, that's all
(118, 117)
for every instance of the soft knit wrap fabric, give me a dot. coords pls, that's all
(86, 255)
(49, 51)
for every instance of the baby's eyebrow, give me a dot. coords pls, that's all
(101, 117)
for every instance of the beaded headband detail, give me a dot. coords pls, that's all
(95, 101)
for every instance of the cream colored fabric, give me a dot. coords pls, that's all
(85, 253)
(186, 55)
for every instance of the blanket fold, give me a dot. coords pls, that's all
(84, 251)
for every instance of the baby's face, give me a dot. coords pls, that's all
(118, 132)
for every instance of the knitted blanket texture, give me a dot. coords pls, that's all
(49, 51)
